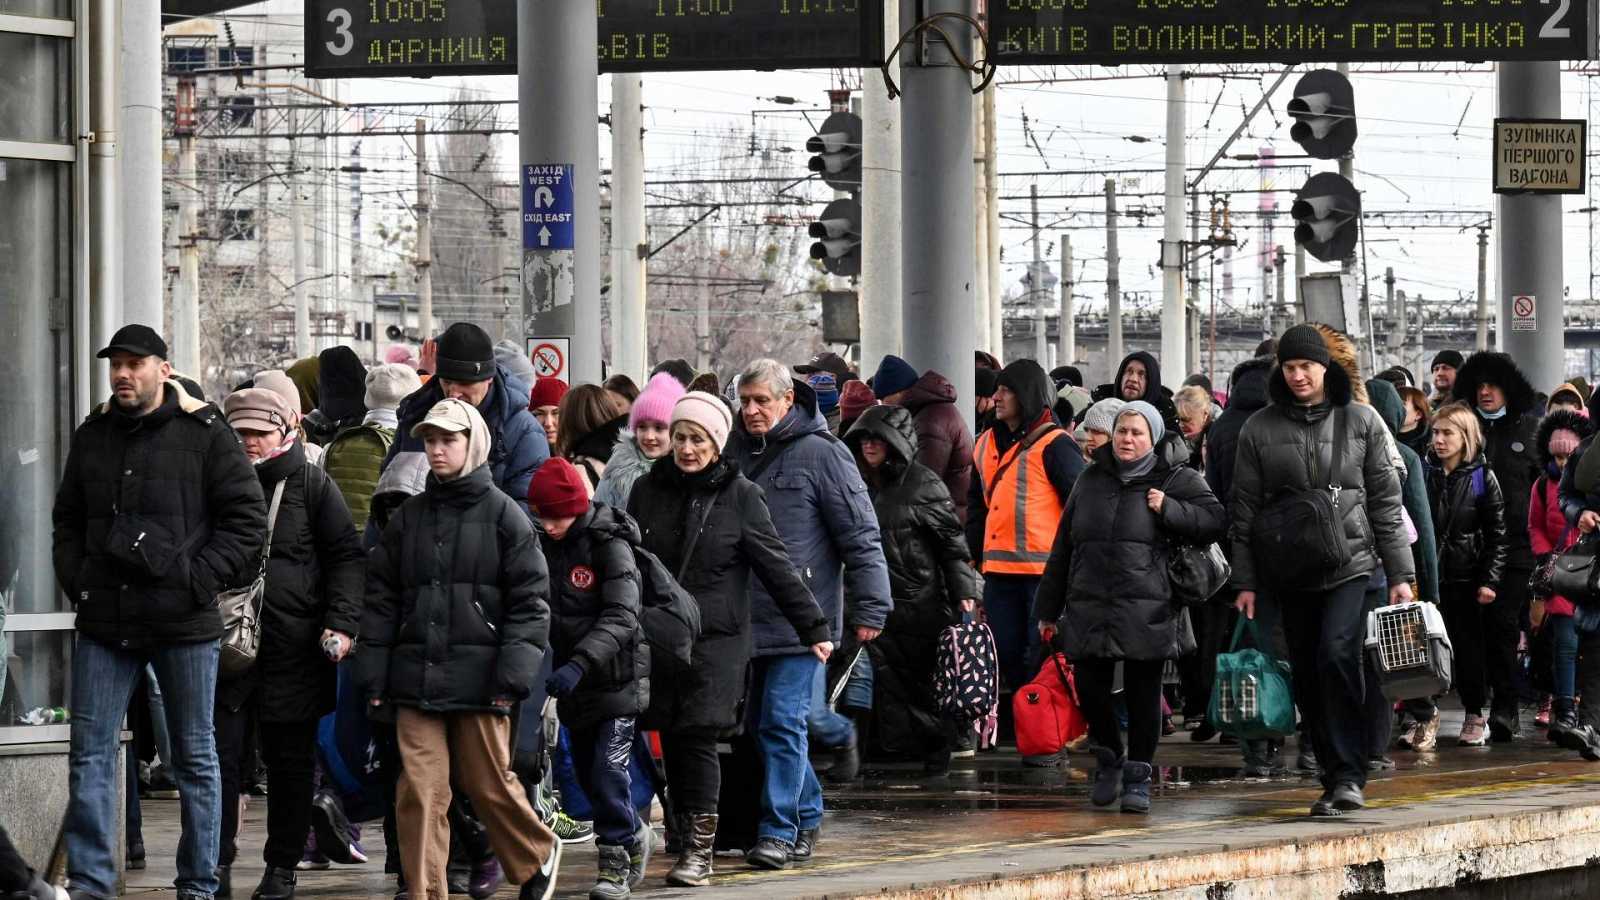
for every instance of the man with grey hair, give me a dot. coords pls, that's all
(824, 514)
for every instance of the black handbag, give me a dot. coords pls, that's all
(1576, 573)
(1299, 537)
(1196, 572)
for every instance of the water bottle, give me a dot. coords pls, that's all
(52, 715)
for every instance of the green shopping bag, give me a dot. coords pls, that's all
(1251, 698)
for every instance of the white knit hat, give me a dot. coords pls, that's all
(390, 383)
(1102, 416)
(706, 411)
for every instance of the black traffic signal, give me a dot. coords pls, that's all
(838, 151)
(1324, 111)
(838, 237)
(1327, 217)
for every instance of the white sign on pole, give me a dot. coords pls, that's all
(1523, 313)
(550, 356)
(1540, 156)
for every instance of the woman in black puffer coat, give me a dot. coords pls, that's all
(710, 525)
(1106, 588)
(452, 637)
(313, 591)
(1469, 522)
(930, 574)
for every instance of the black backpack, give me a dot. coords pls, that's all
(670, 615)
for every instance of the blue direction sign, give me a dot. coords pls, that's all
(547, 207)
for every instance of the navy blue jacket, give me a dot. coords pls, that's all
(825, 517)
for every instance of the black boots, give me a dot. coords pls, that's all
(693, 868)
(276, 884)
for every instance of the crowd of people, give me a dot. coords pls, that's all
(527, 604)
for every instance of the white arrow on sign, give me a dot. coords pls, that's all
(543, 196)
(544, 236)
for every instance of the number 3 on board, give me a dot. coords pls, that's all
(341, 19)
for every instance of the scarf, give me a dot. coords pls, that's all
(285, 447)
(1128, 471)
(383, 418)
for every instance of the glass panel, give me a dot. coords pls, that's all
(54, 9)
(181, 58)
(236, 56)
(35, 87)
(35, 280)
(36, 676)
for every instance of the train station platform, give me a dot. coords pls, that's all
(1444, 823)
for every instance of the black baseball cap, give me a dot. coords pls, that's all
(827, 362)
(140, 340)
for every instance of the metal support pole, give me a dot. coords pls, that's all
(1530, 263)
(1036, 291)
(1113, 283)
(297, 241)
(980, 229)
(629, 245)
(105, 197)
(143, 265)
(1299, 314)
(186, 292)
(1280, 306)
(1483, 289)
(879, 303)
(1067, 331)
(424, 256)
(936, 143)
(1174, 324)
(558, 77)
(991, 189)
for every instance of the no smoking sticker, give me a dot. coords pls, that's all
(549, 356)
(1524, 308)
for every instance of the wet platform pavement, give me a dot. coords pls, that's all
(995, 828)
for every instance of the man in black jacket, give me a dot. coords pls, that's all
(1508, 413)
(1139, 378)
(158, 511)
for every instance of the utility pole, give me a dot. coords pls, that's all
(980, 224)
(186, 293)
(629, 244)
(103, 23)
(936, 146)
(1280, 315)
(1483, 288)
(1395, 307)
(1067, 330)
(424, 256)
(1036, 293)
(144, 275)
(297, 241)
(1174, 314)
(1299, 314)
(1113, 282)
(558, 76)
(879, 302)
(991, 190)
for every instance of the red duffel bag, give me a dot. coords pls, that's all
(1046, 710)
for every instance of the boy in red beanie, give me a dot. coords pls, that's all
(601, 676)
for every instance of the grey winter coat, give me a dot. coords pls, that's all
(627, 463)
(1274, 458)
(825, 517)
(1106, 585)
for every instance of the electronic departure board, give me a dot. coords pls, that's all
(1039, 32)
(375, 38)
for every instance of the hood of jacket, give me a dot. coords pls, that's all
(1247, 386)
(186, 403)
(1152, 377)
(1467, 467)
(610, 522)
(341, 385)
(930, 388)
(601, 442)
(1561, 418)
(306, 373)
(1497, 369)
(1342, 384)
(1033, 387)
(891, 424)
(497, 408)
(1386, 400)
(802, 419)
(405, 476)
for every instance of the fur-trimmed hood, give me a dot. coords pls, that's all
(1498, 369)
(1561, 418)
(1343, 382)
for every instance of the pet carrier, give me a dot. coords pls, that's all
(1410, 650)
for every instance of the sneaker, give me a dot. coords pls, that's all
(1427, 736)
(162, 787)
(1204, 731)
(136, 855)
(1473, 730)
(1542, 717)
(543, 883)
(639, 856)
(485, 880)
(964, 746)
(1503, 729)
(570, 830)
(330, 828)
(1379, 764)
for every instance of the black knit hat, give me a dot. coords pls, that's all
(1451, 358)
(465, 353)
(984, 381)
(1303, 342)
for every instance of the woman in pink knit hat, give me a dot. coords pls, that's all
(645, 441)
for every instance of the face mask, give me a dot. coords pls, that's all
(1492, 416)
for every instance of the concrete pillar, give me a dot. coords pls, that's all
(143, 278)
(881, 232)
(1530, 262)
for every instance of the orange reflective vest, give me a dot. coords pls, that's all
(1023, 507)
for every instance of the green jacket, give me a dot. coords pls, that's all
(353, 461)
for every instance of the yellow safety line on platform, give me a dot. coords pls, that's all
(1296, 813)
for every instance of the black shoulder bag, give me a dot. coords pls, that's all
(1195, 572)
(1299, 537)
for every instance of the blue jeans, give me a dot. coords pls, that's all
(780, 699)
(830, 729)
(1008, 608)
(1566, 662)
(102, 684)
